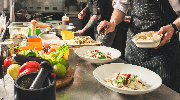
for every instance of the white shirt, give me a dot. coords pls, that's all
(124, 4)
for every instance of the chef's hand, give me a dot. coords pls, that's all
(80, 32)
(109, 27)
(167, 32)
(82, 14)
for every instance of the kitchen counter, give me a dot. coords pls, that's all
(85, 87)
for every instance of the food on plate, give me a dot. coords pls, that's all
(83, 40)
(29, 67)
(13, 70)
(7, 62)
(125, 81)
(146, 36)
(59, 70)
(18, 34)
(96, 54)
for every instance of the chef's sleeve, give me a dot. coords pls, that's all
(121, 5)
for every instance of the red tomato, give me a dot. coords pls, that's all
(50, 50)
(46, 47)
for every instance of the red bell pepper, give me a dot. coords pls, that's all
(29, 67)
(53, 74)
(8, 62)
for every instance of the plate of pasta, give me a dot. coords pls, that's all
(98, 54)
(80, 41)
(127, 78)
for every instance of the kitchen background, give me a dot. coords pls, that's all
(42, 10)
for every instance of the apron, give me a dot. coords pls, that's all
(151, 15)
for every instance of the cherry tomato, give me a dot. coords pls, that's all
(50, 50)
(46, 47)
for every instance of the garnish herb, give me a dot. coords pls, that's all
(120, 79)
(133, 78)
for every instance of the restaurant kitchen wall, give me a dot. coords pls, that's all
(36, 5)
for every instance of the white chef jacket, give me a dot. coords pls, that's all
(123, 5)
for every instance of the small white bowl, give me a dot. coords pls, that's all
(147, 43)
(115, 54)
(153, 81)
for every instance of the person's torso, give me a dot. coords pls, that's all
(150, 15)
(105, 6)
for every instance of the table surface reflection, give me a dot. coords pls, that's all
(85, 87)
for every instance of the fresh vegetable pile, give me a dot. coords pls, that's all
(29, 61)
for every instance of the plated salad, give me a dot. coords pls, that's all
(96, 54)
(125, 81)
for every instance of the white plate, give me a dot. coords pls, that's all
(153, 81)
(115, 54)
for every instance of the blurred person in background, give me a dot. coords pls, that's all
(151, 15)
(99, 10)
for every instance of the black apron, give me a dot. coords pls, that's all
(151, 15)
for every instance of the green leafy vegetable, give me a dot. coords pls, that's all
(62, 50)
(133, 78)
(30, 53)
(120, 79)
(102, 57)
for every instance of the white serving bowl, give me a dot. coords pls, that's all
(115, 54)
(153, 81)
(147, 43)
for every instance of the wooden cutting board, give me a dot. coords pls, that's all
(65, 80)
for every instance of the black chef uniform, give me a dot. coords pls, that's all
(151, 15)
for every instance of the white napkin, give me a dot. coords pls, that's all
(7, 88)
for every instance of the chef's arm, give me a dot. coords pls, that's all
(117, 17)
(93, 19)
(86, 9)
